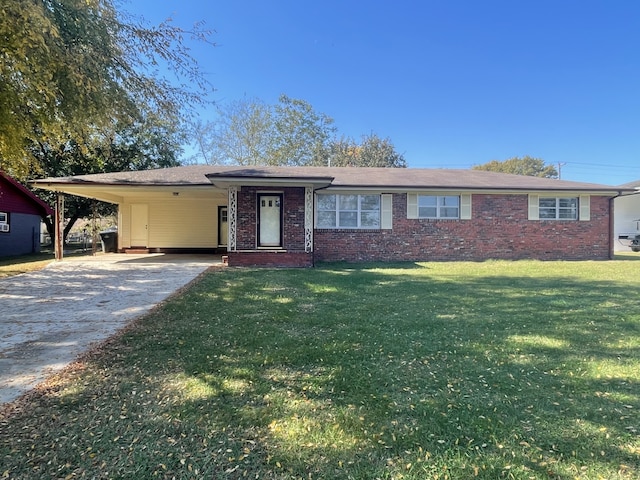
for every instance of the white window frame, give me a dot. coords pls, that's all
(4, 217)
(465, 205)
(358, 211)
(558, 208)
(440, 205)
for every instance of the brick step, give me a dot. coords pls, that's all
(138, 251)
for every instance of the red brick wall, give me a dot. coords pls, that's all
(269, 259)
(292, 220)
(499, 229)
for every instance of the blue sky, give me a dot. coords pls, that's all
(452, 83)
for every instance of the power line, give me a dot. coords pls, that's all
(605, 165)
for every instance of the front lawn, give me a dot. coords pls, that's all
(10, 266)
(16, 265)
(521, 370)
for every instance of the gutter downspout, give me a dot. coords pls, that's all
(313, 220)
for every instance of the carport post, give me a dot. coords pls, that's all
(59, 227)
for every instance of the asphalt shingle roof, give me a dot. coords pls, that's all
(411, 178)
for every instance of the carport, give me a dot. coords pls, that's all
(168, 210)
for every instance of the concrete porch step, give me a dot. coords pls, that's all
(137, 251)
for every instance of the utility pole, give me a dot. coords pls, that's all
(560, 165)
(58, 245)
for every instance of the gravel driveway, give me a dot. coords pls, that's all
(49, 317)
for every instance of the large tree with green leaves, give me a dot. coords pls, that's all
(372, 151)
(152, 142)
(302, 135)
(291, 132)
(69, 68)
(251, 132)
(241, 135)
(534, 167)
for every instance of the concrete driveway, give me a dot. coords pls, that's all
(49, 317)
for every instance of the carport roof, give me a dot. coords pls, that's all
(333, 177)
(185, 175)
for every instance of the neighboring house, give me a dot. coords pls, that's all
(21, 215)
(626, 215)
(295, 216)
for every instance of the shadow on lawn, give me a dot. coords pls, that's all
(344, 372)
(507, 364)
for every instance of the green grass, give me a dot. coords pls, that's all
(515, 370)
(10, 266)
(15, 265)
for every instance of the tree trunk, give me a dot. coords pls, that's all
(67, 229)
(51, 229)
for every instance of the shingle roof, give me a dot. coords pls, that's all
(185, 175)
(411, 178)
(634, 184)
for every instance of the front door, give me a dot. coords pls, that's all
(139, 225)
(223, 226)
(269, 220)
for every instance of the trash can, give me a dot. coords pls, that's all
(109, 240)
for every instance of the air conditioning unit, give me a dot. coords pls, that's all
(4, 227)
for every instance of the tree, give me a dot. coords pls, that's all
(71, 66)
(251, 132)
(242, 135)
(373, 151)
(302, 135)
(151, 142)
(534, 167)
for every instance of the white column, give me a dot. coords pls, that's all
(308, 219)
(232, 213)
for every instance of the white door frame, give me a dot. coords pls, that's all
(269, 214)
(223, 232)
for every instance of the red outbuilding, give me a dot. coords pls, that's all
(21, 215)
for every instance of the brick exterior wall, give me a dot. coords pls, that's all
(292, 218)
(499, 229)
(269, 259)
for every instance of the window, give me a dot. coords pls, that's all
(348, 211)
(4, 222)
(558, 208)
(436, 206)
(428, 206)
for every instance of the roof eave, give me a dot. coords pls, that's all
(225, 181)
(479, 189)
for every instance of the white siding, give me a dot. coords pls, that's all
(626, 213)
(124, 236)
(176, 223)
